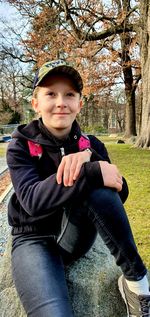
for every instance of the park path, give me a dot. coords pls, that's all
(4, 227)
(3, 164)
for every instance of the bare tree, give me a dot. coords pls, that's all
(144, 137)
(91, 22)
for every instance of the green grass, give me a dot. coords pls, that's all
(134, 164)
(3, 147)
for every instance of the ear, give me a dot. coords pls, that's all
(80, 105)
(34, 103)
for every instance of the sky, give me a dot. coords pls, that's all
(10, 19)
(6, 11)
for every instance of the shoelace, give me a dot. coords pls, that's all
(145, 307)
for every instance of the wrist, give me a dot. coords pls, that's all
(89, 151)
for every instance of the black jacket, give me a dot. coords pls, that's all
(38, 201)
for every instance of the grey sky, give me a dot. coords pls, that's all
(6, 11)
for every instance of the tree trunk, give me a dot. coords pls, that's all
(144, 137)
(125, 38)
(130, 120)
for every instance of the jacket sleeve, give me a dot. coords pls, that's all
(99, 152)
(40, 197)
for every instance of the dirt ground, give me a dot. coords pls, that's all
(4, 182)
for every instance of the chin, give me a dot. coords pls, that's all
(61, 126)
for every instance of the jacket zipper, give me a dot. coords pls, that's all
(62, 150)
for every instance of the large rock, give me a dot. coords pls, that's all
(92, 283)
(9, 302)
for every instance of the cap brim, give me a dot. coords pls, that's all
(64, 69)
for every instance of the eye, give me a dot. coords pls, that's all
(51, 93)
(70, 94)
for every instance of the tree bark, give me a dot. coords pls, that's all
(144, 137)
(125, 38)
(130, 120)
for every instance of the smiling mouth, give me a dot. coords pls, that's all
(61, 114)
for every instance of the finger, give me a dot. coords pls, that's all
(72, 171)
(119, 179)
(119, 185)
(77, 171)
(119, 188)
(66, 172)
(75, 168)
(60, 171)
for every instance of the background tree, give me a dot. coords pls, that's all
(13, 91)
(86, 22)
(94, 35)
(114, 22)
(144, 138)
(15, 71)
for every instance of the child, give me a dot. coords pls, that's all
(66, 191)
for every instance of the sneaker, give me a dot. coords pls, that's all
(137, 305)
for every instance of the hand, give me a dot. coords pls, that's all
(70, 166)
(111, 175)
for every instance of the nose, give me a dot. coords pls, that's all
(60, 102)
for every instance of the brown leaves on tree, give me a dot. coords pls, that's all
(99, 37)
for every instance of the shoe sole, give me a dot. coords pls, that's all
(120, 285)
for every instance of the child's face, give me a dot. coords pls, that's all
(58, 103)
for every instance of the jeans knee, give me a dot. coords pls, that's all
(105, 197)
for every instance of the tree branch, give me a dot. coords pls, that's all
(8, 52)
(94, 36)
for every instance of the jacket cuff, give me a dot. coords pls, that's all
(95, 156)
(124, 192)
(93, 174)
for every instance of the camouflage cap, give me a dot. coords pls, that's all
(58, 66)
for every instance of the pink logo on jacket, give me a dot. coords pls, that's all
(83, 143)
(35, 149)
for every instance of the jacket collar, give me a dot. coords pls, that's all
(36, 132)
(72, 138)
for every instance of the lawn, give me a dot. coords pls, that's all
(3, 147)
(134, 164)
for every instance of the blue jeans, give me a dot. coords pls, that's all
(38, 261)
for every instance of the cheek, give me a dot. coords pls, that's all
(45, 106)
(76, 107)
